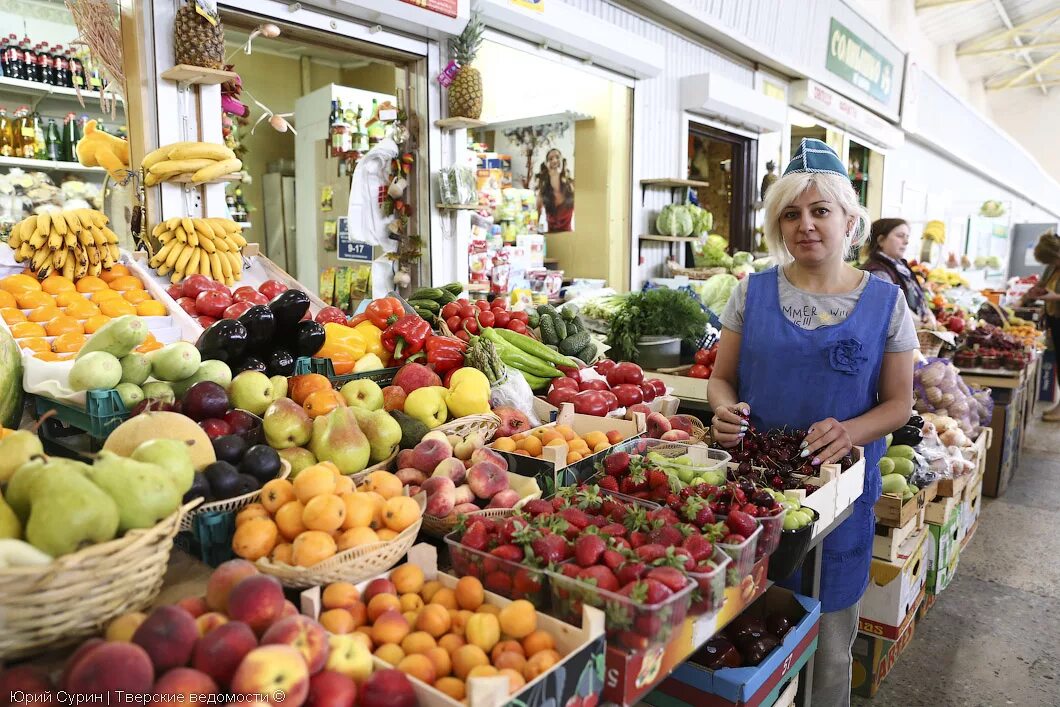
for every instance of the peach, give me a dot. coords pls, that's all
(108, 668)
(453, 687)
(311, 547)
(360, 510)
(76, 657)
(483, 630)
(390, 653)
(256, 601)
(434, 619)
(540, 663)
(359, 612)
(273, 670)
(486, 478)
(324, 512)
(276, 493)
(123, 627)
(411, 602)
(303, 633)
(30, 680)
(289, 520)
(465, 508)
(289, 609)
(404, 459)
(507, 646)
(446, 597)
(417, 642)
(460, 618)
(518, 619)
(224, 578)
(510, 660)
(196, 606)
(466, 658)
(450, 642)
(504, 499)
(209, 621)
(429, 588)
(220, 652)
(329, 688)
(462, 495)
(515, 679)
(337, 621)
(384, 483)
(538, 641)
(339, 595)
(452, 469)
(380, 603)
(186, 682)
(350, 655)
(419, 667)
(482, 671)
(469, 593)
(441, 497)
(380, 585)
(390, 627)
(429, 453)
(254, 510)
(407, 578)
(168, 634)
(486, 454)
(314, 481)
(255, 539)
(411, 476)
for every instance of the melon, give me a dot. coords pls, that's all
(127, 436)
(10, 381)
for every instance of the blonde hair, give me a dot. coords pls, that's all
(833, 187)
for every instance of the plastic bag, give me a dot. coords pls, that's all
(513, 391)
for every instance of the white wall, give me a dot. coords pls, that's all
(41, 22)
(1032, 119)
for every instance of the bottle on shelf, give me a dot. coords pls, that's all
(40, 151)
(45, 63)
(27, 136)
(53, 141)
(77, 72)
(7, 144)
(29, 60)
(62, 67)
(69, 140)
(12, 58)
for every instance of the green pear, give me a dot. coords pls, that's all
(383, 432)
(135, 368)
(144, 493)
(67, 511)
(212, 370)
(159, 390)
(172, 456)
(10, 525)
(279, 387)
(18, 553)
(299, 458)
(20, 487)
(15, 450)
(337, 438)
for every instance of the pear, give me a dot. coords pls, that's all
(383, 432)
(20, 487)
(18, 553)
(337, 438)
(67, 511)
(144, 493)
(286, 424)
(10, 525)
(172, 456)
(15, 450)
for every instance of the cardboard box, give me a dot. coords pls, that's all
(894, 589)
(874, 657)
(887, 541)
(1003, 454)
(695, 685)
(972, 506)
(891, 511)
(926, 606)
(579, 673)
(938, 512)
(941, 551)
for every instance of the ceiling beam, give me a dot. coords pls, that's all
(1011, 30)
(1032, 69)
(1007, 21)
(932, 4)
(1042, 46)
(1046, 83)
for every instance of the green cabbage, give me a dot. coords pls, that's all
(716, 291)
(717, 242)
(761, 264)
(742, 271)
(742, 257)
(674, 220)
(702, 220)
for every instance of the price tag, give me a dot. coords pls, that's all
(350, 249)
(207, 9)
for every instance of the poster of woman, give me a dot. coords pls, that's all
(555, 191)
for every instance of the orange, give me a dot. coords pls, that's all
(69, 342)
(148, 347)
(29, 299)
(19, 283)
(63, 324)
(56, 283)
(66, 298)
(35, 343)
(44, 313)
(93, 323)
(151, 308)
(91, 283)
(12, 315)
(135, 296)
(126, 282)
(116, 308)
(322, 402)
(104, 295)
(573, 457)
(82, 310)
(21, 330)
(6, 299)
(113, 272)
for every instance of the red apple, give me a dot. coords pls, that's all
(192, 286)
(592, 402)
(628, 394)
(648, 391)
(188, 305)
(612, 399)
(236, 310)
(596, 384)
(213, 303)
(214, 427)
(330, 314)
(175, 291)
(625, 372)
(205, 321)
(271, 288)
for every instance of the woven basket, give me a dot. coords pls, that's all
(234, 504)
(699, 431)
(930, 345)
(525, 485)
(385, 465)
(78, 594)
(486, 424)
(353, 565)
(694, 273)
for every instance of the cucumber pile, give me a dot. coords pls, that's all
(566, 331)
(428, 301)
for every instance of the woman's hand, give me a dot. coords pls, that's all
(730, 423)
(827, 442)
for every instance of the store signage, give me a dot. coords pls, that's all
(535, 5)
(814, 98)
(349, 249)
(442, 7)
(853, 60)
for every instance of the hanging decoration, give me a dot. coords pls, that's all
(98, 29)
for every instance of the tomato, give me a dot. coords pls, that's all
(466, 310)
(483, 305)
(470, 325)
(592, 402)
(499, 304)
(521, 317)
(463, 336)
(699, 371)
(518, 326)
(454, 323)
(450, 310)
(625, 373)
(486, 319)
(501, 318)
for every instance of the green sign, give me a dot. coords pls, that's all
(854, 61)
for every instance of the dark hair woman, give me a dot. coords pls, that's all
(555, 191)
(888, 239)
(1047, 252)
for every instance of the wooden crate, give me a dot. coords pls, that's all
(938, 512)
(952, 487)
(887, 540)
(684, 387)
(836, 490)
(892, 512)
(982, 447)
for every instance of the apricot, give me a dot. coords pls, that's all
(504, 444)
(488, 609)
(466, 658)
(282, 553)
(360, 510)
(324, 512)
(540, 663)
(531, 445)
(359, 611)
(390, 627)
(506, 646)
(390, 653)
(322, 402)
(355, 537)
(385, 535)
(459, 617)
(411, 602)
(289, 520)
(469, 593)
(429, 588)
(538, 641)
(567, 431)
(482, 671)
(400, 512)
(452, 687)
(518, 619)
(344, 485)
(381, 603)
(311, 547)
(510, 661)
(407, 578)
(483, 630)
(339, 595)
(276, 493)
(255, 538)
(419, 667)
(337, 621)
(418, 642)
(434, 619)
(378, 510)
(314, 481)
(446, 597)
(254, 510)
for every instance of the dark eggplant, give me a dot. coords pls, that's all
(778, 624)
(719, 653)
(224, 340)
(907, 435)
(261, 326)
(289, 307)
(308, 338)
(280, 363)
(916, 421)
(743, 624)
(248, 364)
(757, 651)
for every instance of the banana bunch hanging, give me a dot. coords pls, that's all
(72, 243)
(203, 161)
(199, 246)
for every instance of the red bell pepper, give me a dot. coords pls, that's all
(406, 337)
(445, 353)
(384, 312)
(357, 319)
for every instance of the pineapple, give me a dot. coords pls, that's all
(465, 92)
(196, 41)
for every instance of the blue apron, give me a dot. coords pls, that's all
(794, 377)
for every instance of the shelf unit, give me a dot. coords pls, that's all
(670, 239)
(459, 123)
(672, 184)
(457, 207)
(50, 99)
(198, 75)
(186, 179)
(49, 165)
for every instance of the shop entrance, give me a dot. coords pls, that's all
(350, 104)
(727, 161)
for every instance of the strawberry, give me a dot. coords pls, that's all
(733, 539)
(633, 641)
(638, 538)
(609, 483)
(666, 536)
(674, 579)
(657, 478)
(588, 549)
(551, 548)
(630, 572)
(613, 559)
(647, 625)
(620, 543)
(475, 537)
(600, 576)
(650, 553)
(614, 529)
(665, 514)
(526, 584)
(499, 582)
(673, 501)
(740, 523)
(512, 553)
(657, 591)
(617, 464)
(698, 546)
(575, 516)
(537, 507)
(646, 591)
(571, 569)
(627, 486)
(559, 503)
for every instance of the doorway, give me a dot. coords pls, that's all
(727, 162)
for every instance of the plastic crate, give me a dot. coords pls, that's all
(511, 580)
(210, 538)
(103, 412)
(709, 596)
(323, 366)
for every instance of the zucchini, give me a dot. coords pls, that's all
(588, 354)
(454, 288)
(549, 310)
(561, 328)
(548, 330)
(431, 293)
(574, 343)
(428, 304)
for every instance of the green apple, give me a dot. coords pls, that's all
(686, 474)
(251, 391)
(363, 393)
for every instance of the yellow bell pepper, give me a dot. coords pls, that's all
(468, 394)
(341, 338)
(372, 336)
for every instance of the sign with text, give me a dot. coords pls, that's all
(853, 60)
(442, 7)
(349, 249)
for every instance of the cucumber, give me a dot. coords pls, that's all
(549, 310)
(588, 354)
(454, 288)
(431, 293)
(548, 330)
(427, 304)
(561, 328)
(447, 297)
(574, 326)
(425, 314)
(569, 314)
(574, 343)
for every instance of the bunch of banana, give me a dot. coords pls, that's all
(199, 246)
(204, 161)
(71, 243)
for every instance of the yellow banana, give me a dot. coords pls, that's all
(226, 268)
(14, 240)
(159, 229)
(94, 269)
(25, 252)
(202, 150)
(171, 258)
(59, 258)
(216, 170)
(164, 270)
(204, 264)
(112, 237)
(171, 168)
(44, 223)
(29, 227)
(193, 236)
(231, 243)
(44, 271)
(155, 156)
(193, 262)
(115, 252)
(73, 221)
(151, 180)
(98, 237)
(86, 237)
(70, 239)
(166, 236)
(177, 277)
(215, 267)
(55, 240)
(93, 254)
(38, 240)
(38, 259)
(104, 254)
(59, 223)
(239, 239)
(207, 244)
(82, 269)
(180, 234)
(237, 264)
(69, 267)
(185, 256)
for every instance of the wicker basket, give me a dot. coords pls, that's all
(693, 273)
(78, 594)
(700, 431)
(353, 565)
(930, 345)
(525, 485)
(234, 504)
(463, 426)
(385, 465)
